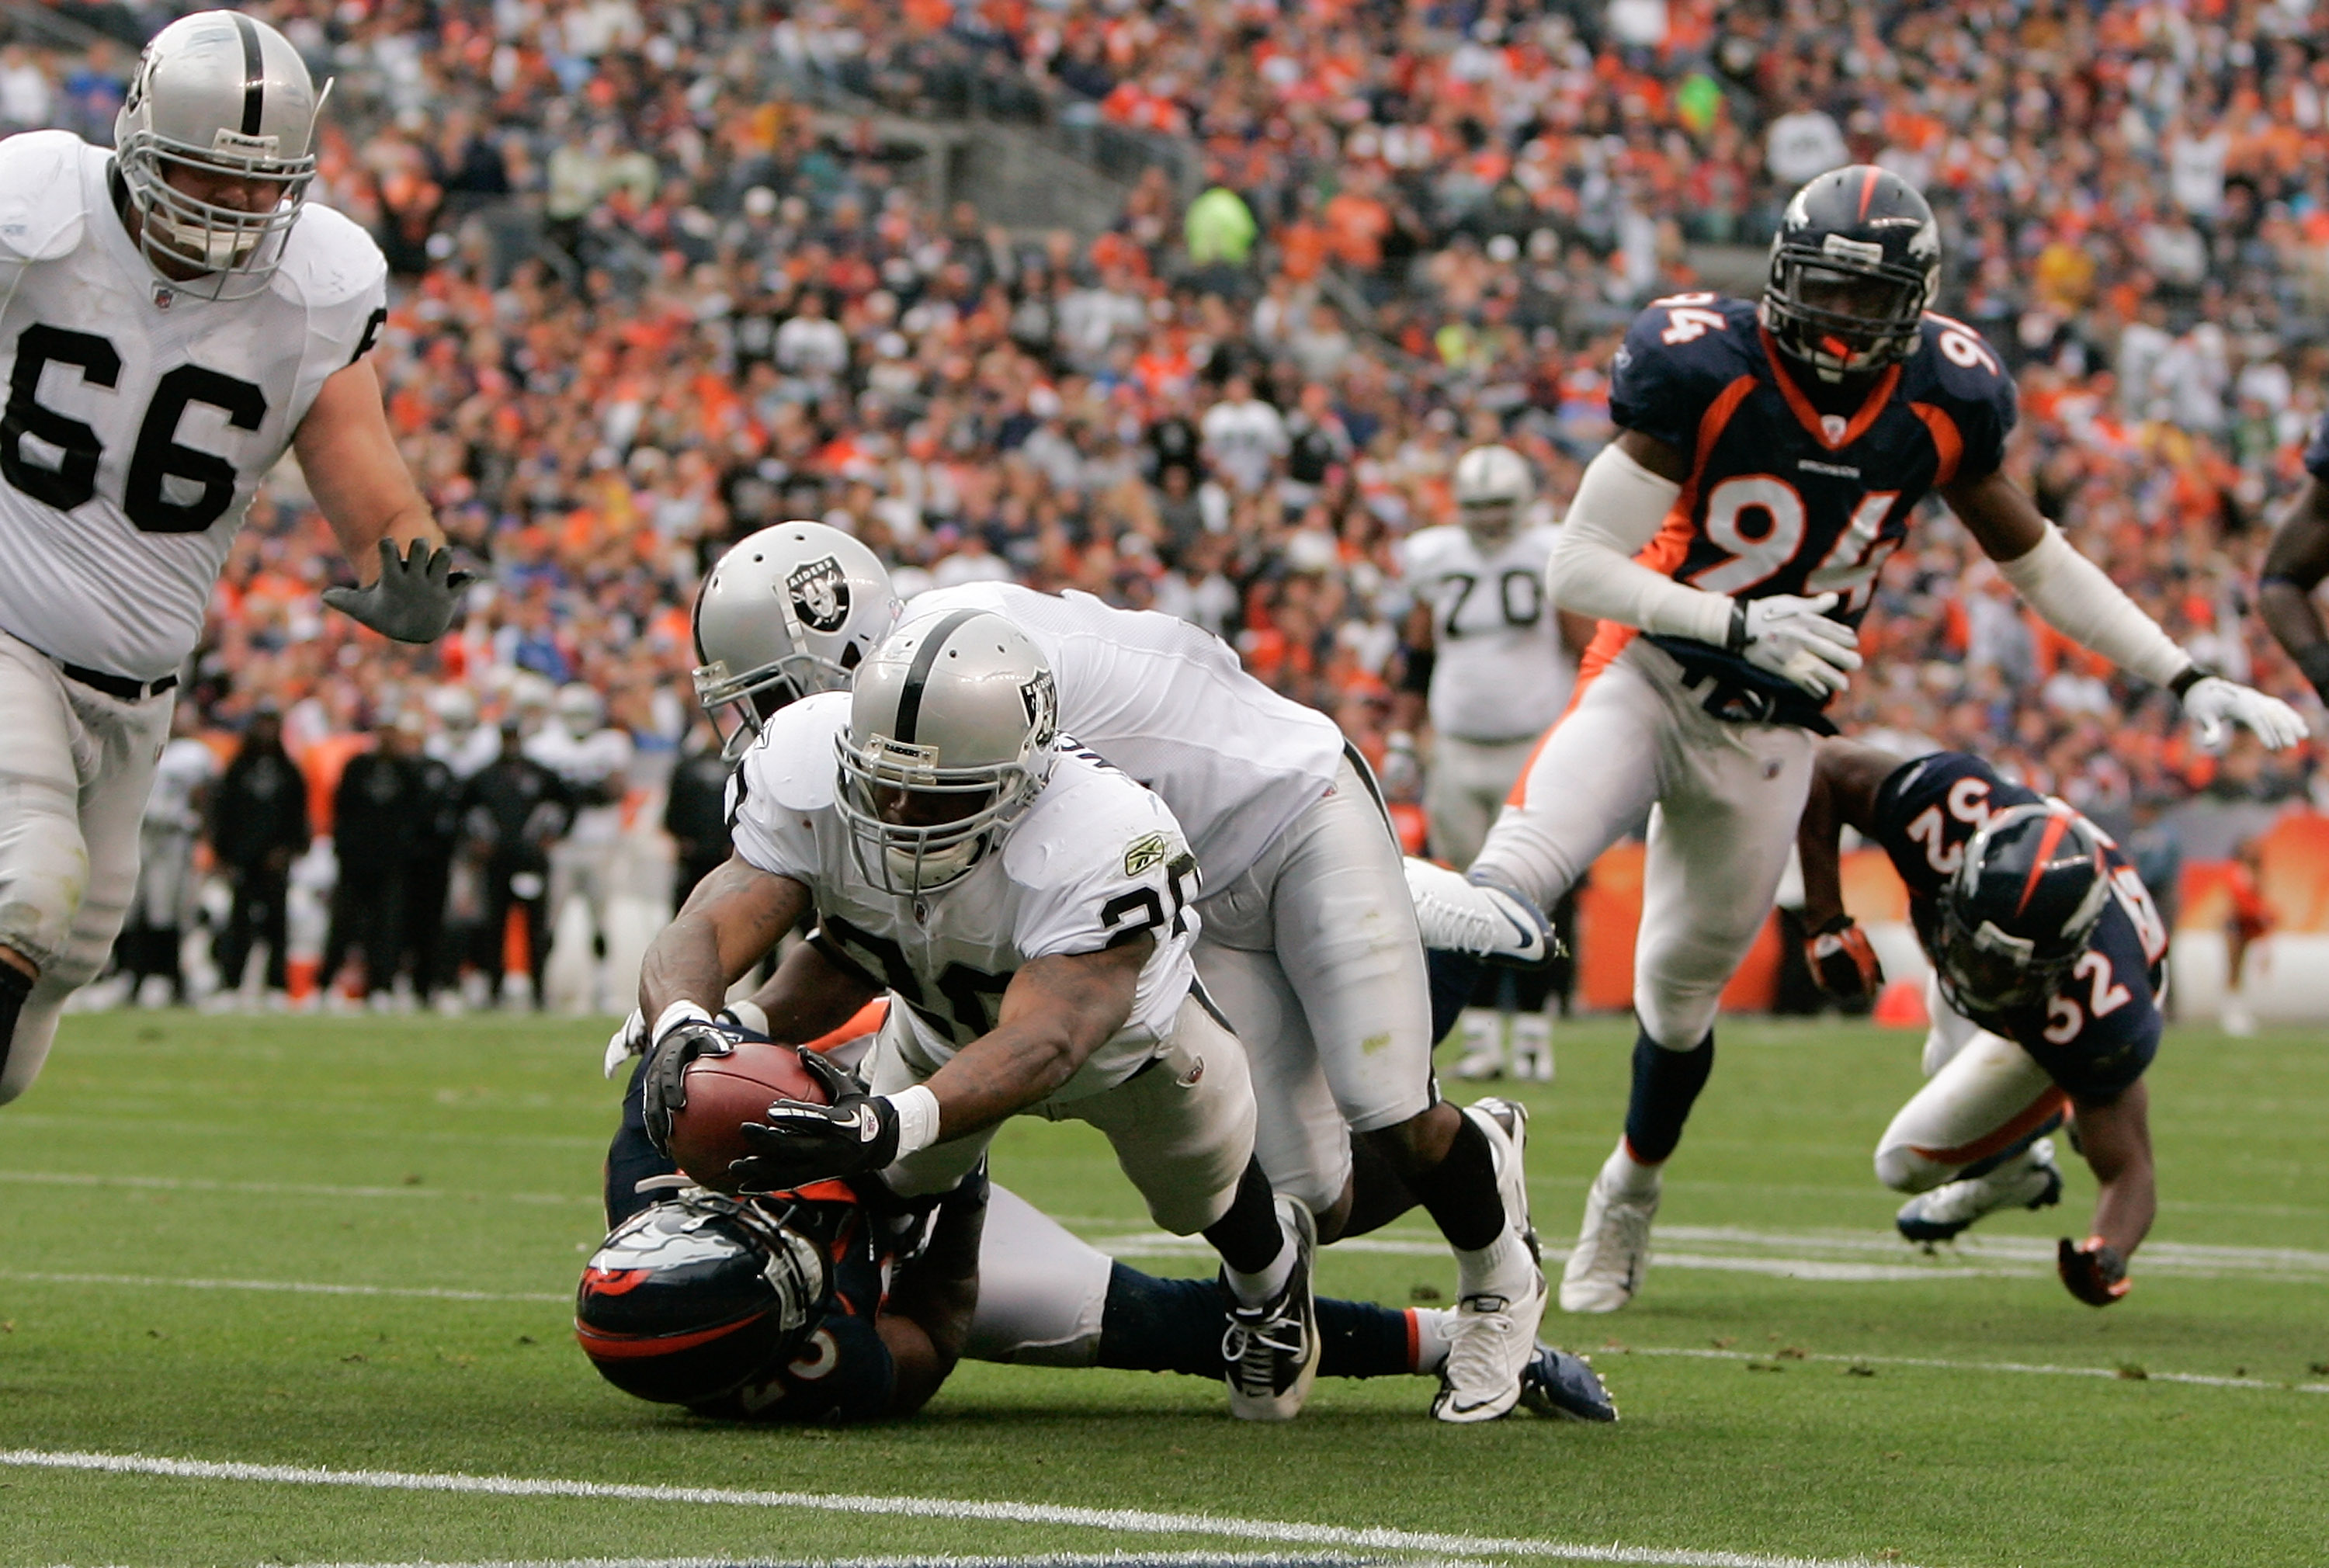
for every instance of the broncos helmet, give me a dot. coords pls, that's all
(217, 93)
(1855, 263)
(698, 1295)
(787, 612)
(2020, 907)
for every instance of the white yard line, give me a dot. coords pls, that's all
(925, 1560)
(288, 1287)
(2027, 1368)
(282, 1189)
(1119, 1521)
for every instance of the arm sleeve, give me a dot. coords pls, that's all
(2076, 598)
(1618, 507)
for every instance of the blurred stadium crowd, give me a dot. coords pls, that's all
(1417, 226)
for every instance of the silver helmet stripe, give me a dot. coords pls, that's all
(254, 76)
(918, 674)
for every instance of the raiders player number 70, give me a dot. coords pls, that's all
(172, 317)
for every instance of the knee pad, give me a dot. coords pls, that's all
(1901, 1168)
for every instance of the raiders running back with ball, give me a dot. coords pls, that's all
(1029, 905)
(173, 316)
(1310, 943)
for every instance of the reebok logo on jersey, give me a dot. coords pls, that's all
(1146, 851)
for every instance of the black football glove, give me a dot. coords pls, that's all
(412, 600)
(1842, 961)
(2093, 1271)
(801, 1142)
(664, 1090)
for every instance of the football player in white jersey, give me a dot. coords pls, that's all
(173, 316)
(594, 759)
(1495, 664)
(1028, 904)
(1310, 945)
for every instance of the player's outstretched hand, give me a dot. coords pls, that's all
(1842, 961)
(664, 1090)
(413, 598)
(2215, 704)
(854, 1135)
(1793, 638)
(2093, 1270)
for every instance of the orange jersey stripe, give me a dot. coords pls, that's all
(2043, 1109)
(1947, 441)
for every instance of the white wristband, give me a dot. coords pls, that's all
(917, 1119)
(676, 1014)
(750, 1014)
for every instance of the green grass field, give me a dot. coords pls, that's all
(1794, 1383)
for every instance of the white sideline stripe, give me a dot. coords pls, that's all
(1158, 1244)
(277, 1188)
(1122, 1521)
(919, 1560)
(289, 1287)
(2040, 1369)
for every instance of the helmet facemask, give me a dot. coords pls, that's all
(1981, 966)
(1842, 309)
(759, 694)
(233, 252)
(916, 827)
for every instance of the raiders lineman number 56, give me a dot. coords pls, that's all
(172, 317)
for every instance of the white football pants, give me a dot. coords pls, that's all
(1983, 1095)
(1728, 796)
(1314, 958)
(1467, 788)
(75, 769)
(1041, 1291)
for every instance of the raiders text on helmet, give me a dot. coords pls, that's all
(699, 1295)
(217, 92)
(1493, 488)
(2022, 907)
(790, 611)
(1855, 263)
(949, 738)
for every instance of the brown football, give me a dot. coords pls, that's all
(724, 1093)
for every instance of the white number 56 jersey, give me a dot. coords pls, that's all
(140, 419)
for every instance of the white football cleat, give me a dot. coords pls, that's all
(1533, 1047)
(1457, 914)
(2029, 1180)
(1269, 1353)
(1493, 1336)
(1612, 1251)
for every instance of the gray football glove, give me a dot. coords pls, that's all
(413, 600)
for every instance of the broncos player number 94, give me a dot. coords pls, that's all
(1769, 458)
(173, 316)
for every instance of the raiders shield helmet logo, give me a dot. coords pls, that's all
(1043, 702)
(820, 595)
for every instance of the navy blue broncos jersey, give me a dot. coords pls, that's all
(1781, 498)
(842, 1371)
(2099, 1031)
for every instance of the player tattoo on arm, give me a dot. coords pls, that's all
(1055, 1013)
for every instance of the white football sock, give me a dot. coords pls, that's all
(1627, 1176)
(1258, 1290)
(1434, 1327)
(1498, 1269)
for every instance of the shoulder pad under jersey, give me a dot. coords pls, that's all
(1088, 822)
(792, 764)
(1678, 356)
(329, 260)
(43, 211)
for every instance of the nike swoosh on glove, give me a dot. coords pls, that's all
(2214, 704)
(801, 1142)
(412, 600)
(1793, 638)
(2094, 1272)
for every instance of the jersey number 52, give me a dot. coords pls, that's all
(206, 480)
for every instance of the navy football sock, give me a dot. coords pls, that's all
(1665, 1086)
(1455, 976)
(1155, 1324)
(15, 990)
